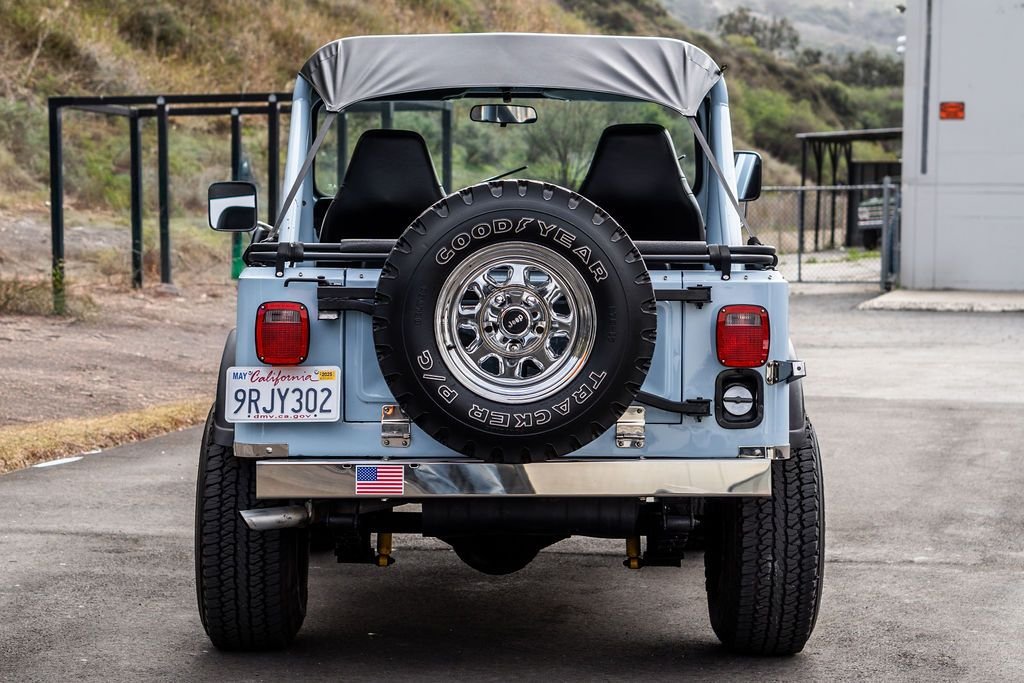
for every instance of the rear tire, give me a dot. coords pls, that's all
(765, 558)
(251, 585)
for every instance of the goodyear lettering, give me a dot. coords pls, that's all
(444, 255)
(551, 231)
(565, 238)
(583, 253)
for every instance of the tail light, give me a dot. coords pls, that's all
(742, 336)
(282, 333)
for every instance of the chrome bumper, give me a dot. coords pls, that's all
(335, 478)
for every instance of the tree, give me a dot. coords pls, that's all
(739, 22)
(868, 68)
(778, 35)
(809, 57)
(562, 140)
(775, 35)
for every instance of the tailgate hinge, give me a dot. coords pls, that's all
(395, 430)
(629, 429)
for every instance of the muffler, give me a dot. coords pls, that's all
(268, 519)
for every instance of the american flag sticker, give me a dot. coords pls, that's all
(380, 480)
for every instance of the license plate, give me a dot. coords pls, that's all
(292, 394)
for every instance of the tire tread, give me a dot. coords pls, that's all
(250, 585)
(764, 559)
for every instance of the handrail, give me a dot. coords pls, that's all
(335, 253)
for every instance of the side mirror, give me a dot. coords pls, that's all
(502, 113)
(748, 176)
(232, 206)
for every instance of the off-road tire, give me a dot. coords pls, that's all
(765, 558)
(487, 217)
(251, 585)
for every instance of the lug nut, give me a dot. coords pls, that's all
(530, 300)
(499, 300)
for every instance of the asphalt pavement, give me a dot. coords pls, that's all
(919, 417)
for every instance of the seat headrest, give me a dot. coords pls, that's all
(390, 180)
(635, 176)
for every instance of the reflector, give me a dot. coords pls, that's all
(282, 333)
(742, 336)
(951, 111)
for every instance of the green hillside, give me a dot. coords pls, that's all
(50, 47)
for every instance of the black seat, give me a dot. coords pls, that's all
(390, 181)
(635, 177)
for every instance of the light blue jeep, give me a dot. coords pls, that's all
(512, 363)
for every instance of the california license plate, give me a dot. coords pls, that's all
(292, 394)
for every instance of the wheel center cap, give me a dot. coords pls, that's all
(515, 321)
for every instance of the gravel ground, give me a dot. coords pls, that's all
(137, 350)
(131, 349)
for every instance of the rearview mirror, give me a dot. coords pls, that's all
(748, 176)
(503, 114)
(232, 206)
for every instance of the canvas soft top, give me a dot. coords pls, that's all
(665, 71)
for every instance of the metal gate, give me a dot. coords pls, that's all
(832, 233)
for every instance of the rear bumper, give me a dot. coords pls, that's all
(336, 478)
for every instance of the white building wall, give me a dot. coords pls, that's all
(963, 180)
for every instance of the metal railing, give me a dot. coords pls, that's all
(135, 109)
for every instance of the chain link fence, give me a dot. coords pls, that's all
(831, 233)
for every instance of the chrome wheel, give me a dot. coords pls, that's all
(515, 322)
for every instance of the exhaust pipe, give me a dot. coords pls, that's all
(268, 519)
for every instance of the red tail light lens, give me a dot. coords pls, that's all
(282, 333)
(743, 336)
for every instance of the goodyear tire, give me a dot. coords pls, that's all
(764, 561)
(251, 585)
(514, 321)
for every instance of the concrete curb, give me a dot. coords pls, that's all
(946, 301)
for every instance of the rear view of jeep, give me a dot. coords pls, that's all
(574, 333)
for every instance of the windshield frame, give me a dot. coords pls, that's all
(695, 179)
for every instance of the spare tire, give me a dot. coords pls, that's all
(514, 321)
